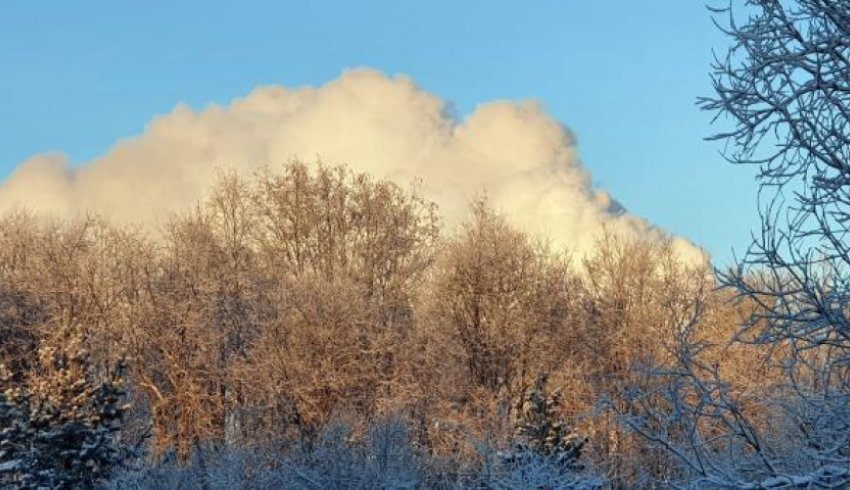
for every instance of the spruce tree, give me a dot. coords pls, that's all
(540, 428)
(59, 425)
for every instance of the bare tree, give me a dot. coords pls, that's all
(784, 84)
(344, 254)
(637, 294)
(502, 302)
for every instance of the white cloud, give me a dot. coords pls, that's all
(387, 126)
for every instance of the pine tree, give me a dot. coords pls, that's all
(60, 425)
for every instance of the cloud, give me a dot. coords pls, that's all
(384, 125)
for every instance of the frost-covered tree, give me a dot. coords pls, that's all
(784, 85)
(546, 452)
(341, 457)
(540, 427)
(58, 428)
(500, 302)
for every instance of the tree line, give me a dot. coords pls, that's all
(314, 327)
(309, 294)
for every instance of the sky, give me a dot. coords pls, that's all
(623, 76)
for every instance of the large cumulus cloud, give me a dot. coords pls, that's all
(388, 126)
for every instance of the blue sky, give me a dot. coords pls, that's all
(78, 76)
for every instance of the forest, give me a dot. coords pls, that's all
(311, 326)
(307, 301)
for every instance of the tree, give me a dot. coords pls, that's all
(343, 254)
(541, 428)
(545, 451)
(784, 84)
(59, 428)
(638, 293)
(503, 300)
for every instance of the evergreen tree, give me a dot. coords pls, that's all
(59, 426)
(540, 428)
